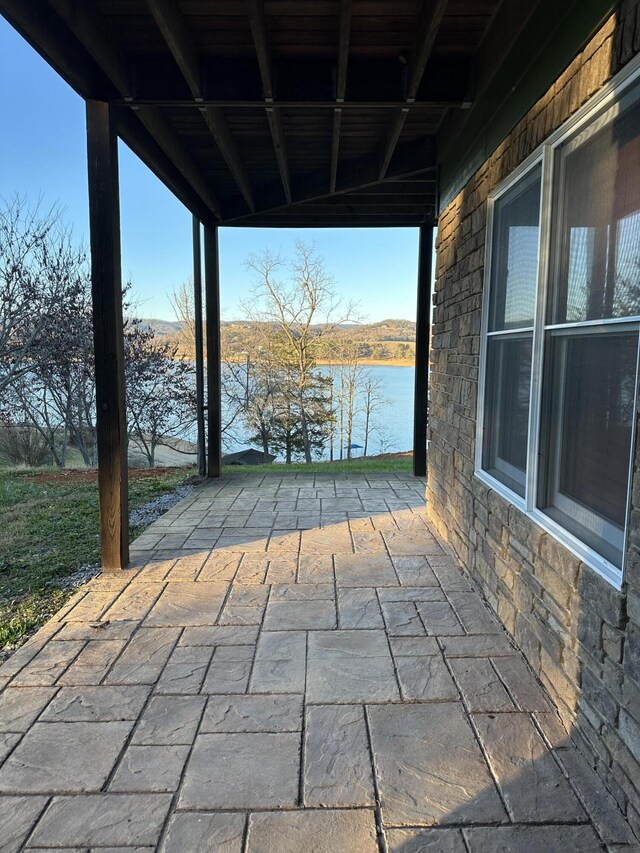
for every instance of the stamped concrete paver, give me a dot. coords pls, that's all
(229, 670)
(532, 839)
(424, 678)
(253, 714)
(169, 720)
(280, 663)
(17, 816)
(20, 706)
(300, 615)
(430, 768)
(103, 819)
(150, 768)
(96, 704)
(337, 760)
(533, 786)
(292, 663)
(425, 841)
(350, 666)
(321, 831)
(244, 770)
(188, 604)
(481, 688)
(63, 757)
(365, 570)
(206, 832)
(359, 608)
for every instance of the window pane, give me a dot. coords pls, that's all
(599, 267)
(588, 415)
(514, 255)
(506, 416)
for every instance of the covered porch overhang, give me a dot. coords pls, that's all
(286, 113)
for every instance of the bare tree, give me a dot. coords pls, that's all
(38, 262)
(304, 308)
(182, 301)
(372, 402)
(161, 402)
(349, 377)
(52, 387)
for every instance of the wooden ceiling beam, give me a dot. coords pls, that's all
(341, 87)
(175, 33)
(279, 146)
(337, 221)
(335, 149)
(430, 19)
(348, 106)
(343, 49)
(393, 135)
(216, 122)
(347, 209)
(90, 29)
(85, 23)
(167, 138)
(178, 39)
(317, 82)
(414, 158)
(258, 21)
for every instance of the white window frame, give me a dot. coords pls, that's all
(601, 109)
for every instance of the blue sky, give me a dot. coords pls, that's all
(42, 154)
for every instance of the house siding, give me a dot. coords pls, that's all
(579, 634)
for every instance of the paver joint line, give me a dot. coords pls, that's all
(294, 660)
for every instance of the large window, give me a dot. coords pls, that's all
(512, 300)
(558, 385)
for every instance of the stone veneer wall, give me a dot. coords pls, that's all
(579, 634)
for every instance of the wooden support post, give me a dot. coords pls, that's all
(197, 319)
(423, 329)
(106, 289)
(214, 396)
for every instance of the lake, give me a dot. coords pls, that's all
(394, 420)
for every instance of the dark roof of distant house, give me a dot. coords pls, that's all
(250, 456)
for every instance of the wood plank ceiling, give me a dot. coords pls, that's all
(275, 112)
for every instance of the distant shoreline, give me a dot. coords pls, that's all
(366, 362)
(373, 362)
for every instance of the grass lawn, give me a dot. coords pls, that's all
(49, 528)
(394, 464)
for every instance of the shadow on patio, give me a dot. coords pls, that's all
(293, 663)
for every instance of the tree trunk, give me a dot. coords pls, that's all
(304, 428)
(366, 428)
(63, 449)
(332, 423)
(350, 408)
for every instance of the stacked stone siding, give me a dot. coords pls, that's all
(579, 634)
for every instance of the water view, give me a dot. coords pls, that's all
(392, 430)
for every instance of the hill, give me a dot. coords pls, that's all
(163, 328)
(382, 342)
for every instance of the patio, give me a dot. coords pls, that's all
(290, 663)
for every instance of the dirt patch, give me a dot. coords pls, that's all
(406, 454)
(83, 476)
